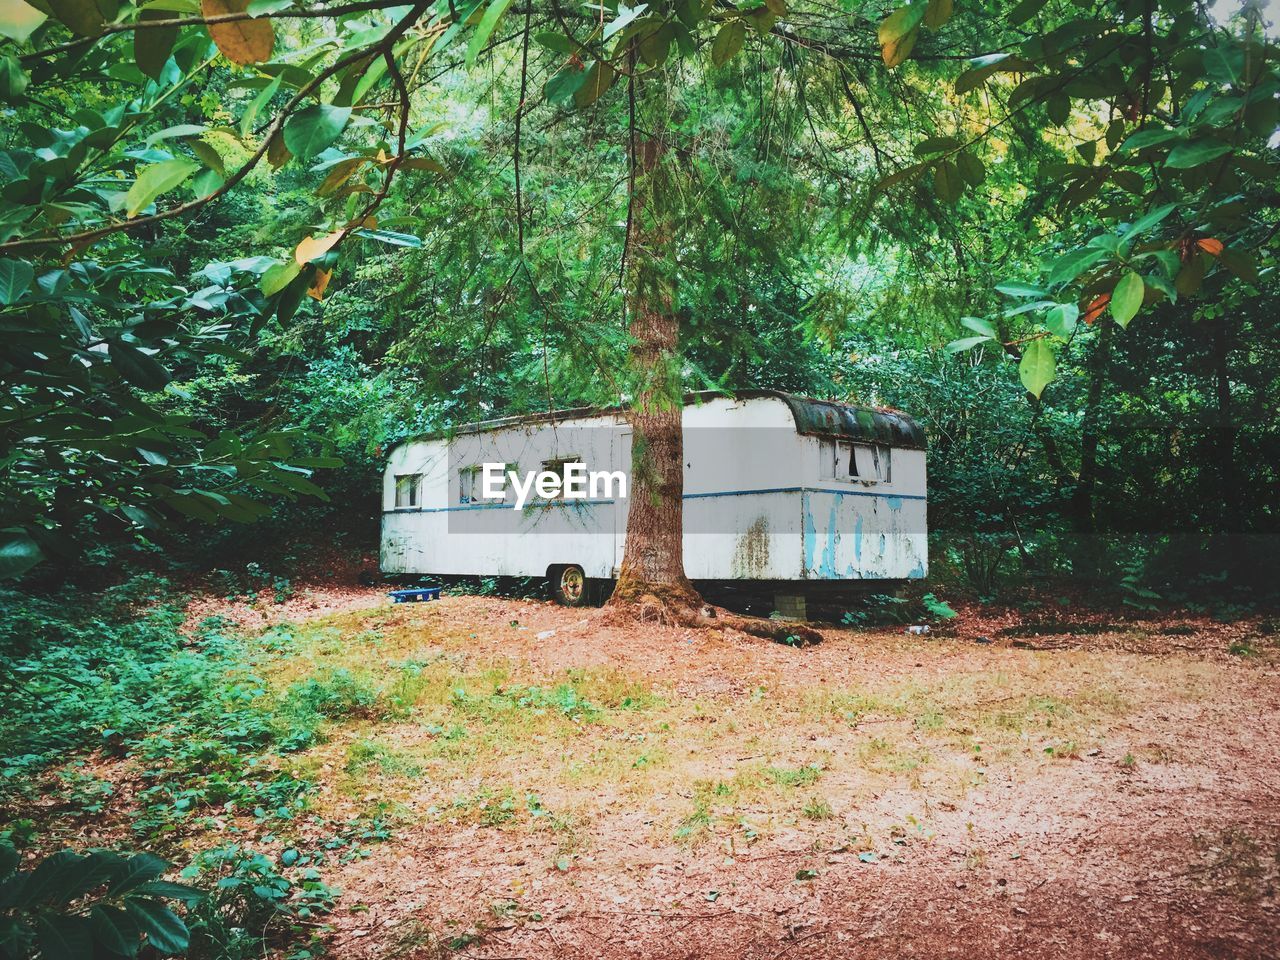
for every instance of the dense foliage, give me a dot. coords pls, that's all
(232, 249)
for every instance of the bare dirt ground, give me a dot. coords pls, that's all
(564, 789)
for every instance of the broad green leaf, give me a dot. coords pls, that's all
(152, 45)
(64, 937)
(115, 930)
(897, 33)
(164, 928)
(15, 279)
(564, 83)
(1025, 10)
(154, 180)
(484, 30)
(1188, 155)
(625, 16)
(1061, 320)
(180, 130)
(1012, 288)
(1150, 137)
(598, 79)
(259, 103)
(1149, 220)
(1126, 298)
(259, 8)
(1037, 367)
(936, 13)
(1070, 265)
(971, 168)
(728, 42)
(556, 42)
(1223, 61)
(965, 343)
(18, 553)
(140, 369)
(279, 276)
(947, 182)
(978, 325)
(936, 145)
(82, 16)
(312, 130)
(241, 41)
(19, 20)
(392, 238)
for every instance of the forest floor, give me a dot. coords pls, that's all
(559, 788)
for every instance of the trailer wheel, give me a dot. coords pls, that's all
(569, 585)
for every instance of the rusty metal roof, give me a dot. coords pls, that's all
(813, 417)
(829, 419)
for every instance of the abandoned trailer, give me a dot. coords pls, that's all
(790, 497)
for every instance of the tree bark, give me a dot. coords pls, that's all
(652, 569)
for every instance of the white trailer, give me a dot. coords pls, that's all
(794, 495)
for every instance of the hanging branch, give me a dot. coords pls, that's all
(524, 85)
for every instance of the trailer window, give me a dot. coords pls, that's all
(872, 462)
(408, 489)
(557, 466)
(471, 484)
(837, 461)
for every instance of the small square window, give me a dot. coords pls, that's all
(408, 489)
(557, 467)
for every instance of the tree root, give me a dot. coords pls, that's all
(684, 608)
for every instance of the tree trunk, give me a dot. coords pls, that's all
(653, 565)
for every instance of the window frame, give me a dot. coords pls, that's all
(414, 489)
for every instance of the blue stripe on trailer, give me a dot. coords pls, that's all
(688, 496)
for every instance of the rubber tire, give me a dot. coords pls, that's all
(563, 590)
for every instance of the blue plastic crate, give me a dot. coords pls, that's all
(418, 595)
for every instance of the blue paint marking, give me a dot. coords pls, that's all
(895, 503)
(917, 572)
(828, 570)
(810, 533)
(857, 540)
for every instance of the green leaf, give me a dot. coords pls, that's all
(64, 937)
(936, 145)
(936, 13)
(947, 182)
(164, 928)
(1025, 10)
(971, 169)
(598, 79)
(556, 42)
(312, 130)
(19, 20)
(978, 325)
(18, 553)
(82, 16)
(1126, 298)
(897, 33)
(115, 930)
(168, 890)
(1149, 220)
(152, 45)
(258, 8)
(484, 30)
(154, 180)
(965, 343)
(1061, 320)
(15, 278)
(1070, 265)
(140, 369)
(1150, 137)
(394, 239)
(1188, 155)
(1037, 367)
(278, 276)
(1012, 288)
(728, 42)
(564, 83)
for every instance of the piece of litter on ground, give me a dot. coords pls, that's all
(544, 634)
